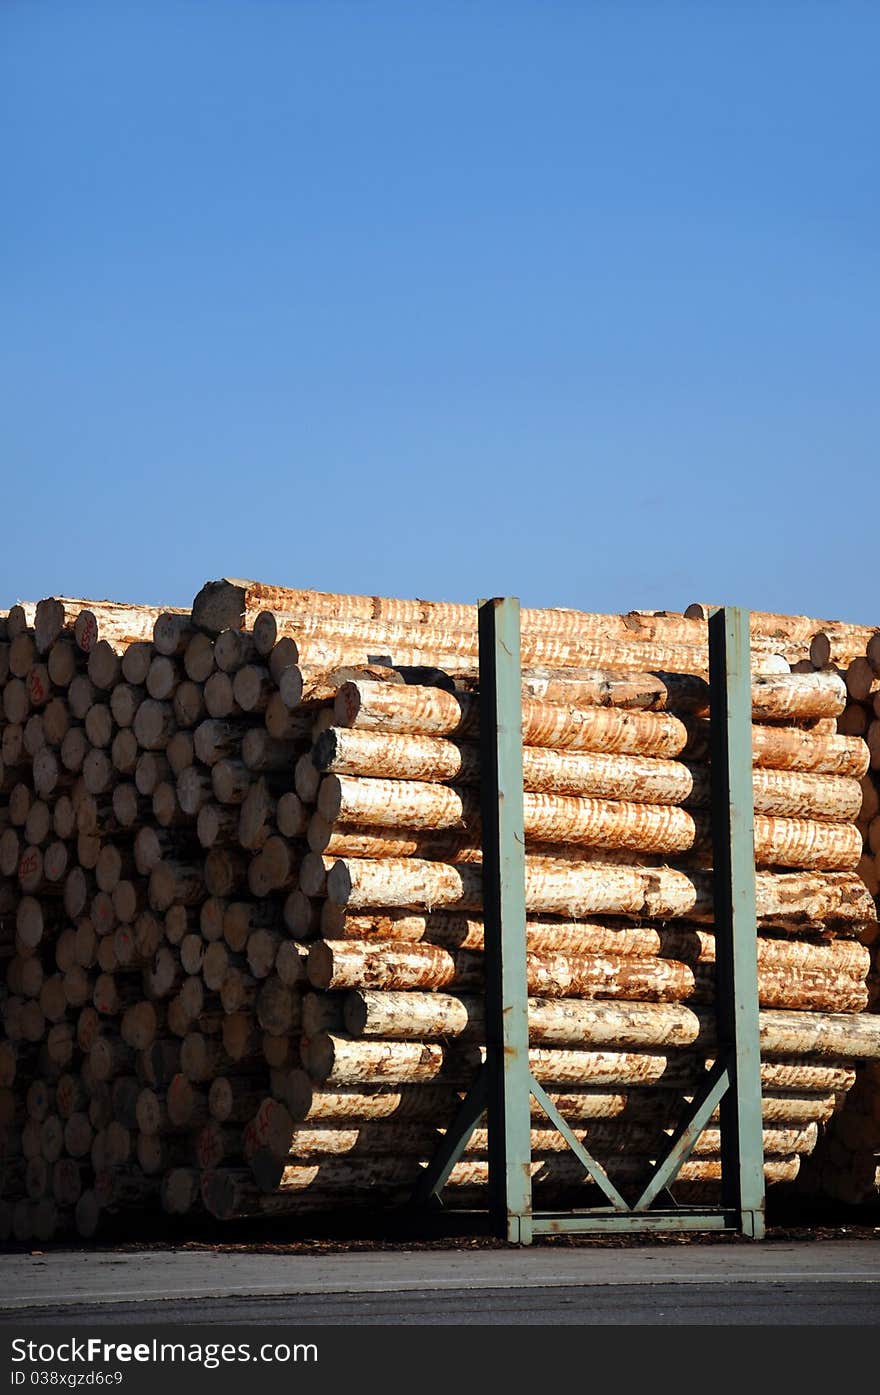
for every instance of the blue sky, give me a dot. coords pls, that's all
(573, 301)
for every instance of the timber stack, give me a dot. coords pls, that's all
(241, 900)
(846, 1165)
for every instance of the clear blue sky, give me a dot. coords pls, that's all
(573, 301)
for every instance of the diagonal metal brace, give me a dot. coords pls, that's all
(458, 1135)
(595, 1170)
(682, 1142)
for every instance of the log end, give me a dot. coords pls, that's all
(265, 632)
(220, 605)
(347, 705)
(318, 1055)
(319, 965)
(290, 686)
(180, 1190)
(354, 1012)
(298, 1094)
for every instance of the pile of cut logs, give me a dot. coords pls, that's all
(240, 898)
(846, 1164)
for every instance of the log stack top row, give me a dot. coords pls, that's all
(241, 901)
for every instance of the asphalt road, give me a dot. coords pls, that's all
(817, 1284)
(794, 1303)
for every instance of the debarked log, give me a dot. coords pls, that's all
(390, 967)
(395, 1139)
(566, 888)
(645, 779)
(437, 1104)
(331, 1058)
(592, 823)
(692, 943)
(616, 1025)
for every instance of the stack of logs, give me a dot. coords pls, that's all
(240, 898)
(846, 1164)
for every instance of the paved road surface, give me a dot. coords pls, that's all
(815, 1283)
(795, 1302)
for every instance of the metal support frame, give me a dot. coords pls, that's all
(505, 1086)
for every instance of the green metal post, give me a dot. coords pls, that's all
(736, 970)
(504, 910)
